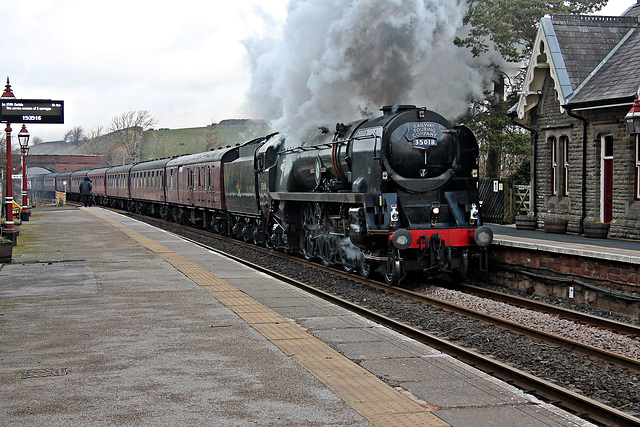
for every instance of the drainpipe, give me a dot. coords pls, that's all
(534, 151)
(584, 166)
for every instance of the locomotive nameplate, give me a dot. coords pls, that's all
(423, 131)
(31, 111)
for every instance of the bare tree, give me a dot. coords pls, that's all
(75, 136)
(95, 132)
(127, 128)
(36, 140)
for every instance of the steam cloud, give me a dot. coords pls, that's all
(338, 60)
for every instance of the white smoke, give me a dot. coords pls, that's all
(338, 58)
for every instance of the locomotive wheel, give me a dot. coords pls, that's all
(325, 250)
(393, 268)
(364, 267)
(349, 264)
(164, 212)
(308, 243)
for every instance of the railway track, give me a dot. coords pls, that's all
(560, 396)
(576, 316)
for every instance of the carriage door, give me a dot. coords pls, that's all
(191, 193)
(606, 200)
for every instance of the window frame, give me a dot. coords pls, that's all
(637, 168)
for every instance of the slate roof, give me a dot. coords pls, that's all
(615, 79)
(595, 60)
(586, 40)
(633, 10)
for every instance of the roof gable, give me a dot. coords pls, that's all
(572, 48)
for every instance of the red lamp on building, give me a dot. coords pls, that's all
(23, 139)
(9, 228)
(633, 118)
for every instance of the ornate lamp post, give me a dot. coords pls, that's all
(633, 118)
(23, 139)
(9, 229)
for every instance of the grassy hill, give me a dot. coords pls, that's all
(162, 143)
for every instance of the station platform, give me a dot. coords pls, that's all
(105, 320)
(625, 251)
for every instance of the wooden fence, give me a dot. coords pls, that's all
(501, 204)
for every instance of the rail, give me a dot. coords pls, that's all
(560, 396)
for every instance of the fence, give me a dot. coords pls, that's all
(501, 204)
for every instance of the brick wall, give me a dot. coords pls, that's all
(66, 163)
(609, 285)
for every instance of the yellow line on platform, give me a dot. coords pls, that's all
(364, 392)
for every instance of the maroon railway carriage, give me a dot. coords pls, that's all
(63, 180)
(117, 186)
(98, 179)
(194, 187)
(73, 189)
(49, 184)
(148, 187)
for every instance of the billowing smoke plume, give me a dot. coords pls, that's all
(338, 59)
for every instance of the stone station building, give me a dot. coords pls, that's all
(582, 80)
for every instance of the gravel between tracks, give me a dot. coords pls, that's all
(605, 382)
(607, 340)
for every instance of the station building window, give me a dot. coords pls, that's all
(559, 165)
(637, 169)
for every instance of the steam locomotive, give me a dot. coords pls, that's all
(397, 193)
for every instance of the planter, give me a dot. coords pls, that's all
(555, 226)
(596, 230)
(526, 222)
(6, 250)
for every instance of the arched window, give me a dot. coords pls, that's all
(559, 165)
(564, 146)
(553, 146)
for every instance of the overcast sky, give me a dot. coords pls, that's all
(184, 62)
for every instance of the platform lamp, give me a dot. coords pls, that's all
(633, 118)
(23, 139)
(10, 231)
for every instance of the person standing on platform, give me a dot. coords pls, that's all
(85, 190)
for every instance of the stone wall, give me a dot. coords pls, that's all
(549, 121)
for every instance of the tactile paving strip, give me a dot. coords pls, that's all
(372, 398)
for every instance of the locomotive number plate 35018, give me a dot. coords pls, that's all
(419, 143)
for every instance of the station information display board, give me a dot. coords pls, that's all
(31, 111)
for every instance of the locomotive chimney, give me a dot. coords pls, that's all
(393, 109)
